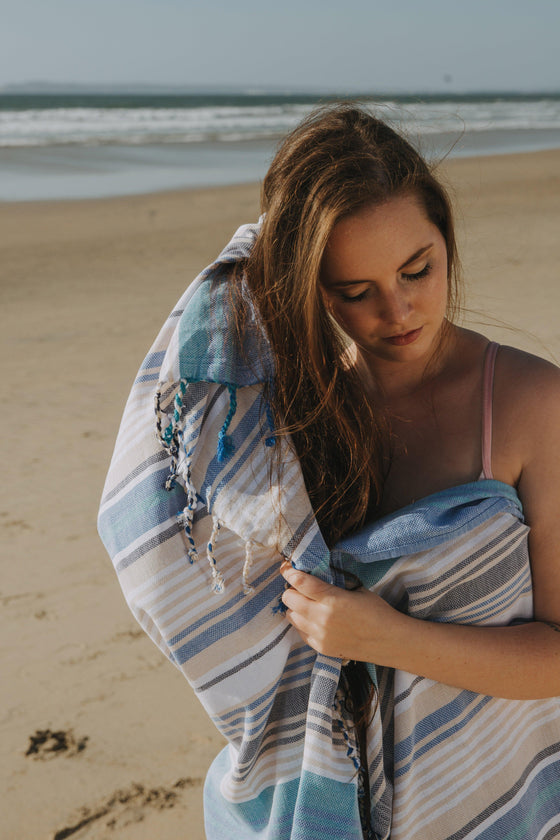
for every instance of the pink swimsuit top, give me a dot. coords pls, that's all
(487, 388)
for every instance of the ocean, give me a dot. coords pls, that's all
(100, 144)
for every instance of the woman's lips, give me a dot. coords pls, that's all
(403, 338)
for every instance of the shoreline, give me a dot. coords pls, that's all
(255, 183)
(75, 172)
(86, 285)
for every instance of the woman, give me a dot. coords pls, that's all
(319, 409)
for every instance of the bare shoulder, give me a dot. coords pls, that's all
(527, 380)
(527, 408)
(526, 403)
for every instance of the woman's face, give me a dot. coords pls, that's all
(384, 277)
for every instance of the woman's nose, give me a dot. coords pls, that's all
(394, 307)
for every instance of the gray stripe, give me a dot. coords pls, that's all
(290, 703)
(508, 796)
(554, 832)
(404, 694)
(149, 462)
(497, 543)
(215, 396)
(241, 776)
(273, 744)
(154, 541)
(487, 584)
(298, 535)
(250, 751)
(244, 664)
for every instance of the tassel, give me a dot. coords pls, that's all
(170, 480)
(218, 584)
(226, 446)
(168, 435)
(249, 546)
(350, 746)
(280, 607)
(159, 415)
(186, 516)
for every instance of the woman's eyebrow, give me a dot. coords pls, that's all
(416, 256)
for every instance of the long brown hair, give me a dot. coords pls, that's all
(338, 160)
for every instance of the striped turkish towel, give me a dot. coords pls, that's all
(197, 518)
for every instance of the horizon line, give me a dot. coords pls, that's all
(38, 87)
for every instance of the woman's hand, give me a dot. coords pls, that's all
(519, 662)
(336, 622)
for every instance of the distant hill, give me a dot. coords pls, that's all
(47, 88)
(61, 88)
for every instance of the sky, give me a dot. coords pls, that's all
(337, 45)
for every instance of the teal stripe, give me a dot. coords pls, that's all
(309, 808)
(144, 507)
(538, 813)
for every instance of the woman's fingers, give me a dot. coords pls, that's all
(311, 604)
(306, 584)
(337, 622)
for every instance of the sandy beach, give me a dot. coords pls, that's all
(101, 736)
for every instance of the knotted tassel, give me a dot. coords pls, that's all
(249, 546)
(186, 516)
(226, 446)
(167, 435)
(280, 607)
(218, 583)
(338, 719)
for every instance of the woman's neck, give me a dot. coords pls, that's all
(392, 381)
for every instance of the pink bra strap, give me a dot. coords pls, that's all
(487, 388)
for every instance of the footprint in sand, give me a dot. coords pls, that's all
(127, 806)
(20, 524)
(46, 744)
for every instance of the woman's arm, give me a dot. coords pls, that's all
(518, 662)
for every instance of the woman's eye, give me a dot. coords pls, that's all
(410, 277)
(418, 275)
(354, 298)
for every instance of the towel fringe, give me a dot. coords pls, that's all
(218, 584)
(186, 516)
(226, 446)
(280, 607)
(171, 437)
(249, 549)
(351, 751)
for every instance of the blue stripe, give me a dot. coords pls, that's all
(153, 360)
(248, 612)
(526, 819)
(225, 606)
(432, 521)
(147, 505)
(496, 606)
(147, 377)
(442, 717)
(310, 808)
(244, 429)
